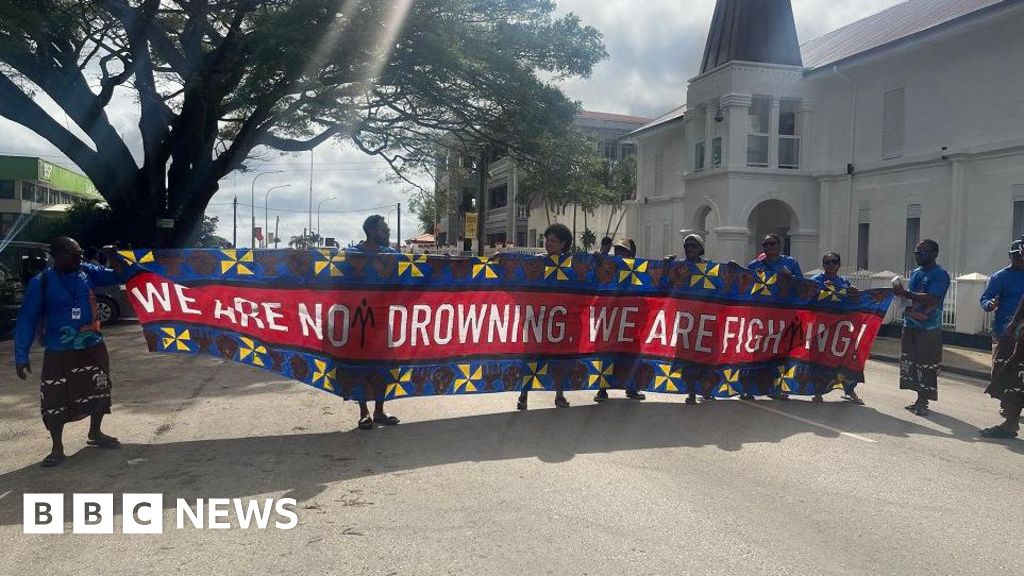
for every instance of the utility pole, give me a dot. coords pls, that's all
(480, 194)
(311, 190)
(399, 225)
(234, 224)
(277, 222)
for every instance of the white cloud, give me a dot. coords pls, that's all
(654, 47)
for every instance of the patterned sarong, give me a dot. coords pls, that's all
(920, 361)
(1007, 382)
(75, 384)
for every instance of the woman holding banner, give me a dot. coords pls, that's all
(693, 254)
(772, 260)
(557, 243)
(832, 281)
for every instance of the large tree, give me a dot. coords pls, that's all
(214, 79)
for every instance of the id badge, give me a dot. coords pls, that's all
(76, 313)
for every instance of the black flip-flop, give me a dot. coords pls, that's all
(366, 423)
(997, 432)
(387, 420)
(853, 399)
(52, 460)
(105, 442)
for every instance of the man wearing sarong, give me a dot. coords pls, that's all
(75, 377)
(1003, 294)
(921, 353)
(378, 241)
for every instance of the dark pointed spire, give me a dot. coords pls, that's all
(752, 31)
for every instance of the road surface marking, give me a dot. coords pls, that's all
(811, 422)
(4, 494)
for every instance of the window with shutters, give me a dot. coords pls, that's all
(913, 234)
(893, 123)
(757, 138)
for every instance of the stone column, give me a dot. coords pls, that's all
(731, 243)
(736, 108)
(709, 131)
(803, 129)
(773, 133)
(970, 318)
(804, 247)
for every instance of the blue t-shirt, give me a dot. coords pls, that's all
(934, 281)
(824, 280)
(1008, 284)
(778, 265)
(361, 248)
(66, 310)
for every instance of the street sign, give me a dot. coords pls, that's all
(470, 224)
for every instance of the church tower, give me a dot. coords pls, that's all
(732, 169)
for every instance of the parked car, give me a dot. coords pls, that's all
(30, 258)
(12, 294)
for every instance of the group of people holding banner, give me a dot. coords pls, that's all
(75, 381)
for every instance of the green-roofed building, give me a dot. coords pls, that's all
(29, 184)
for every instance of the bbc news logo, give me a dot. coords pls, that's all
(143, 513)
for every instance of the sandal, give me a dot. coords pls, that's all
(601, 396)
(746, 396)
(366, 423)
(635, 395)
(690, 400)
(998, 432)
(561, 402)
(853, 399)
(52, 460)
(783, 397)
(104, 441)
(521, 404)
(386, 420)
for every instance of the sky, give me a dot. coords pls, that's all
(654, 47)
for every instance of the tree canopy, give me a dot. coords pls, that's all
(214, 79)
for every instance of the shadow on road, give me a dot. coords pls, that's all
(303, 464)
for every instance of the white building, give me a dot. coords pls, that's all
(907, 124)
(508, 220)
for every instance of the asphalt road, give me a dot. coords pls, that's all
(466, 485)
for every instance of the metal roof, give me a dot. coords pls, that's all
(670, 116)
(751, 31)
(888, 26)
(592, 115)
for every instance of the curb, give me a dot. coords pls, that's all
(984, 375)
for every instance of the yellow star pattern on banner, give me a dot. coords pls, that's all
(483, 265)
(178, 340)
(253, 351)
(558, 266)
(830, 292)
(704, 276)
(330, 261)
(601, 377)
(469, 378)
(785, 378)
(532, 378)
(669, 379)
(731, 377)
(632, 271)
(840, 382)
(400, 378)
(133, 256)
(238, 260)
(322, 375)
(763, 284)
(410, 263)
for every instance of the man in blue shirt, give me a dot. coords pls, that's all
(921, 354)
(378, 241)
(76, 367)
(772, 261)
(1003, 294)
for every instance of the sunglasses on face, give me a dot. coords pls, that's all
(922, 252)
(691, 246)
(1015, 253)
(830, 262)
(769, 243)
